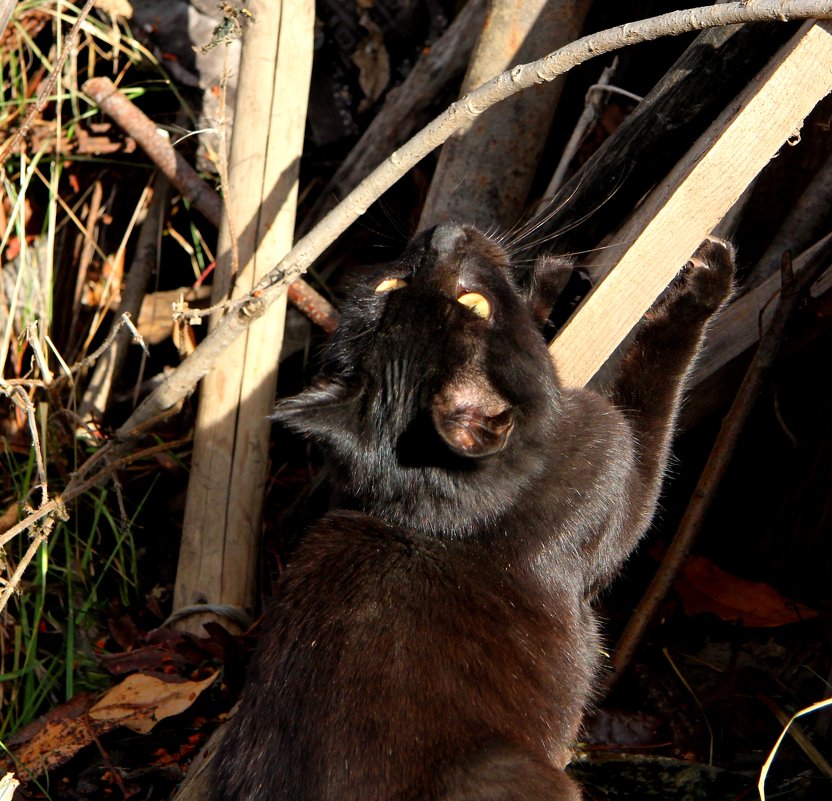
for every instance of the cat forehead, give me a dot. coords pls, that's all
(452, 240)
(453, 250)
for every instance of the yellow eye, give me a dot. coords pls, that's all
(389, 284)
(476, 303)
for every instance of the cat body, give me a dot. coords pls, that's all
(435, 638)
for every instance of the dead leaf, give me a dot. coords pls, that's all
(141, 701)
(155, 321)
(373, 63)
(184, 338)
(54, 738)
(138, 702)
(704, 587)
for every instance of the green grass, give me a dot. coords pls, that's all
(52, 626)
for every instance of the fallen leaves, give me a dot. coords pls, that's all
(705, 587)
(139, 702)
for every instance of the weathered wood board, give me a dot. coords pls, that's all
(684, 209)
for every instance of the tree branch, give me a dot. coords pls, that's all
(457, 115)
(185, 178)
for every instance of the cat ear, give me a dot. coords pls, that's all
(323, 412)
(472, 419)
(547, 279)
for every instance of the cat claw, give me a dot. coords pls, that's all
(709, 274)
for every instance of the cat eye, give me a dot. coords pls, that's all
(389, 284)
(476, 303)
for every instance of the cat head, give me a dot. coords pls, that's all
(437, 392)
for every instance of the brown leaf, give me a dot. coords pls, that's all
(704, 587)
(138, 702)
(54, 738)
(141, 701)
(373, 63)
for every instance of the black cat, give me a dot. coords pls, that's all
(436, 641)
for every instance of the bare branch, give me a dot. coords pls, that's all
(185, 178)
(458, 114)
(49, 85)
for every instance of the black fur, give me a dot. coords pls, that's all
(437, 641)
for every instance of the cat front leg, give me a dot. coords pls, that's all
(650, 381)
(651, 376)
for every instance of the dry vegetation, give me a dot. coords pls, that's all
(115, 246)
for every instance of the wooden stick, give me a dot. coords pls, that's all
(687, 206)
(221, 527)
(252, 306)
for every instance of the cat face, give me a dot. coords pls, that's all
(437, 395)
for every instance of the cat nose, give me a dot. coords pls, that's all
(446, 238)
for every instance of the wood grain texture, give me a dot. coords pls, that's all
(221, 530)
(512, 133)
(681, 211)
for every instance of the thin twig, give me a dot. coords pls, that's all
(22, 400)
(795, 286)
(40, 358)
(31, 551)
(46, 89)
(145, 260)
(185, 178)
(591, 112)
(123, 320)
(56, 508)
(303, 254)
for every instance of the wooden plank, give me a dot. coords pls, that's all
(600, 196)
(682, 210)
(223, 512)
